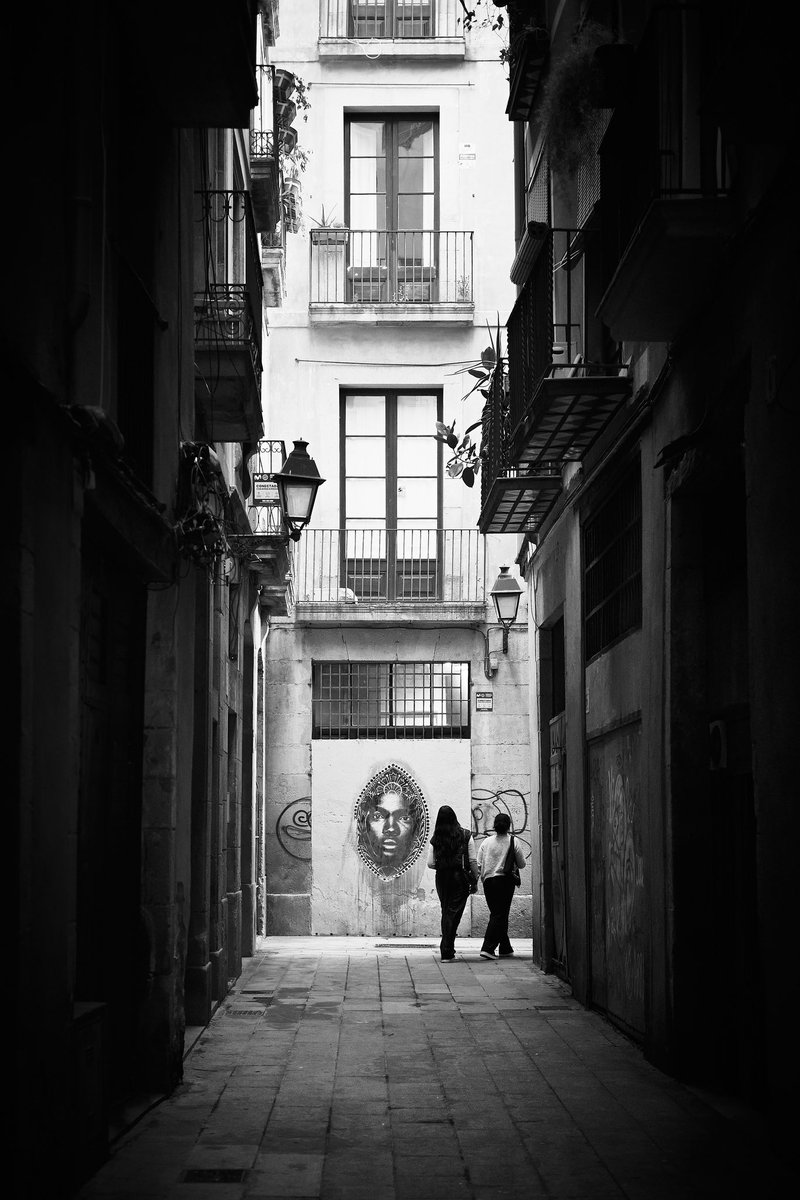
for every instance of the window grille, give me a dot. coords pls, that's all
(390, 700)
(613, 566)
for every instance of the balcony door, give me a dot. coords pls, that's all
(391, 18)
(392, 207)
(391, 495)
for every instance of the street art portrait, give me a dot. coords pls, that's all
(391, 819)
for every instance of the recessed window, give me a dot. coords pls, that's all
(390, 700)
(391, 495)
(391, 18)
(392, 208)
(612, 546)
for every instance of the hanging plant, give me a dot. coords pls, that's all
(574, 83)
(467, 457)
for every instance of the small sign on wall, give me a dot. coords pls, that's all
(265, 490)
(484, 701)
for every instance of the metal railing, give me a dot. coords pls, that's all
(552, 331)
(264, 507)
(496, 431)
(406, 266)
(388, 19)
(264, 120)
(224, 319)
(228, 301)
(388, 566)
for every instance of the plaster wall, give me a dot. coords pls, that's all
(316, 880)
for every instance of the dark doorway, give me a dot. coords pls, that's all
(717, 1006)
(113, 949)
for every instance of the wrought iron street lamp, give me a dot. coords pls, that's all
(298, 481)
(506, 594)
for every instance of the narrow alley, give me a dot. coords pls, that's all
(362, 1069)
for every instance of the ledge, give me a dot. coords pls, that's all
(391, 314)
(363, 614)
(427, 48)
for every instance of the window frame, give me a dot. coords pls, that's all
(391, 121)
(613, 592)
(396, 674)
(398, 582)
(390, 446)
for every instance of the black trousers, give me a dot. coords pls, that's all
(499, 892)
(452, 889)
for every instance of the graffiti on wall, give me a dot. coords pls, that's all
(487, 804)
(391, 819)
(618, 876)
(293, 828)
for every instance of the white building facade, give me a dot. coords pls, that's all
(386, 688)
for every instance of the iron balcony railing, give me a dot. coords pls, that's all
(406, 266)
(496, 431)
(223, 318)
(264, 119)
(228, 299)
(552, 332)
(387, 19)
(390, 566)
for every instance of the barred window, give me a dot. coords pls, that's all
(390, 700)
(612, 544)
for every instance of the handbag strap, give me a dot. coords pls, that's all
(511, 861)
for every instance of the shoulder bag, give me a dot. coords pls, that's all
(511, 867)
(471, 880)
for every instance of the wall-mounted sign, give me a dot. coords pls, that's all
(467, 154)
(484, 701)
(265, 490)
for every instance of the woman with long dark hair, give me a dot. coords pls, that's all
(452, 856)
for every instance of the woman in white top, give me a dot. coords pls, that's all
(498, 887)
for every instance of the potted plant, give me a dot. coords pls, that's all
(335, 232)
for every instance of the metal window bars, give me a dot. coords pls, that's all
(390, 700)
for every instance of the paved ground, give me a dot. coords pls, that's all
(355, 1069)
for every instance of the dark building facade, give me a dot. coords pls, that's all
(137, 590)
(639, 440)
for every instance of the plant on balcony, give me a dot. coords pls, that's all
(467, 457)
(571, 93)
(337, 232)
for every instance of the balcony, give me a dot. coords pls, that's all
(429, 29)
(665, 171)
(529, 49)
(374, 576)
(227, 318)
(264, 168)
(266, 548)
(391, 276)
(565, 385)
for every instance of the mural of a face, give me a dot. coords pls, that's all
(391, 822)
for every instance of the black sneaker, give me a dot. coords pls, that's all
(506, 954)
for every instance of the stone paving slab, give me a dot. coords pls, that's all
(361, 1069)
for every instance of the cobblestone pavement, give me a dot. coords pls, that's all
(360, 1069)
